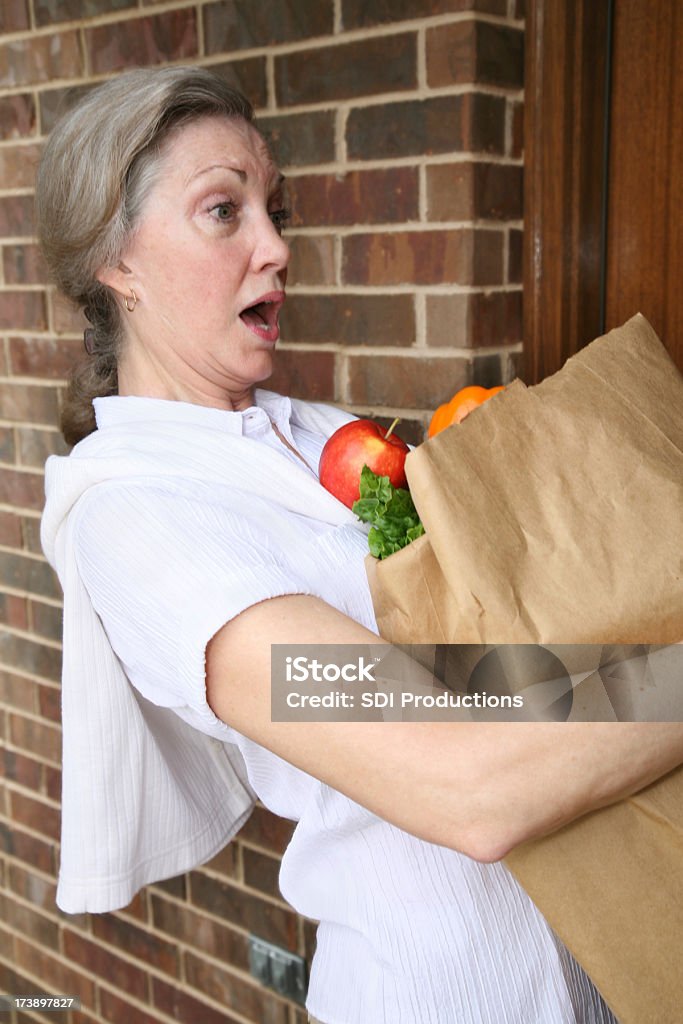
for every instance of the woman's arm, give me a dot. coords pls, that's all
(480, 788)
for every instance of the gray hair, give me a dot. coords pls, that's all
(95, 173)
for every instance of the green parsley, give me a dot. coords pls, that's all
(390, 510)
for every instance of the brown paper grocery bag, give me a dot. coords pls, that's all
(553, 514)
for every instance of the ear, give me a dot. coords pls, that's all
(117, 278)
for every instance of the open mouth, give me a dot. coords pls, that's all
(262, 318)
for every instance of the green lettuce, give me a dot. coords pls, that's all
(390, 511)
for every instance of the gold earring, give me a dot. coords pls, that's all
(127, 301)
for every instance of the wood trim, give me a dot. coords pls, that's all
(565, 179)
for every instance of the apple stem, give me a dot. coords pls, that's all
(389, 431)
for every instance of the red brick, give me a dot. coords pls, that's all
(37, 737)
(487, 265)
(36, 445)
(261, 872)
(29, 403)
(16, 216)
(137, 911)
(19, 768)
(117, 1010)
(266, 830)
(29, 922)
(517, 129)
(143, 41)
(474, 190)
(13, 16)
(357, 197)
(309, 938)
(410, 429)
(361, 14)
(50, 11)
(6, 947)
(46, 619)
(515, 256)
(307, 375)
(22, 311)
(21, 488)
(101, 961)
(300, 139)
(18, 691)
(232, 904)
(193, 928)
(242, 24)
(312, 260)
(30, 528)
(10, 530)
(28, 656)
(35, 815)
(49, 702)
(364, 68)
(350, 319)
(231, 991)
(487, 370)
(249, 76)
(7, 445)
(23, 264)
(53, 103)
(225, 862)
(53, 782)
(450, 191)
(37, 852)
(184, 1008)
(473, 122)
(18, 165)
(459, 256)
(17, 115)
(14, 611)
(55, 976)
(34, 888)
(513, 366)
(474, 320)
(176, 887)
(23, 573)
(475, 51)
(408, 128)
(138, 943)
(403, 382)
(41, 59)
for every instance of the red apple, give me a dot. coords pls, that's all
(357, 444)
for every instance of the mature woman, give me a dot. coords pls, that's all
(190, 532)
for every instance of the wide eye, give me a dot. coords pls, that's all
(280, 219)
(223, 211)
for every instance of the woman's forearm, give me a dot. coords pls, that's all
(481, 788)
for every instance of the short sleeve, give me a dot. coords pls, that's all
(165, 570)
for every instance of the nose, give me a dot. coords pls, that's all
(271, 251)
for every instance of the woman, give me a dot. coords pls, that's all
(190, 533)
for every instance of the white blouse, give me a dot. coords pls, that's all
(410, 932)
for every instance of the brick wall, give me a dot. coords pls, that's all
(399, 124)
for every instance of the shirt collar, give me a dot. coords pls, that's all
(115, 409)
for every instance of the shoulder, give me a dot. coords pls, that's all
(319, 416)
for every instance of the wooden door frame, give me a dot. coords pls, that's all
(565, 166)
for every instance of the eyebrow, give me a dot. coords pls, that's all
(242, 175)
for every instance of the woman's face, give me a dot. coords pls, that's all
(208, 266)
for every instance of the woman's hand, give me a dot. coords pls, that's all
(480, 788)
